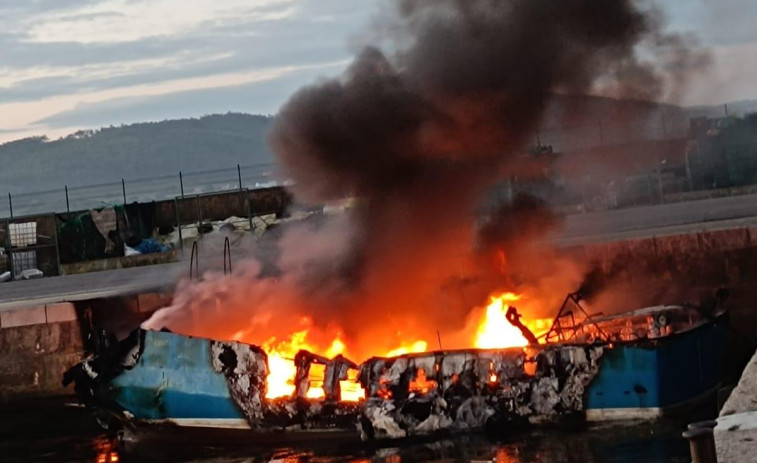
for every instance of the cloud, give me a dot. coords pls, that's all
(57, 54)
(15, 79)
(261, 97)
(261, 40)
(186, 58)
(127, 21)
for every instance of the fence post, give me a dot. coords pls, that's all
(178, 223)
(57, 247)
(68, 208)
(181, 183)
(199, 216)
(123, 188)
(249, 208)
(10, 206)
(242, 194)
(8, 250)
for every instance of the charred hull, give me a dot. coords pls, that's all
(469, 389)
(164, 378)
(160, 377)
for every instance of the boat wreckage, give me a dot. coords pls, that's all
(635, 365)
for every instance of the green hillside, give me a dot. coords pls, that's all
(134, 151)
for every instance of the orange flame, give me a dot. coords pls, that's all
(413, 348)
(421, 384)
(490, 331)
(107, 457)
(281, 368)
(351, 389)
(495, 332)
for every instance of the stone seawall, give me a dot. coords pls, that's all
(37, 346)
(674, 249)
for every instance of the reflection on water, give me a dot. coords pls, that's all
(50, 432)
(107, 450)
(648, 443)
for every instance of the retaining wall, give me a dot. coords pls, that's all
(728, 253)
(220, 206)
(37, 346)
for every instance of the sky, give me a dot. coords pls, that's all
(67, 65)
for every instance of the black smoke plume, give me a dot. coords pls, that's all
(417, 130)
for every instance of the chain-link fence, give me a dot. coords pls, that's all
(78, 198)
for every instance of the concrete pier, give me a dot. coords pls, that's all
(736, 432)
(73, 288)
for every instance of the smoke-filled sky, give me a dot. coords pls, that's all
(418, 129)
(71, 64)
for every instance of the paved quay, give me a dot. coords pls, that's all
(658, 220)
(71, 288)
(736, 432)
(638, 218)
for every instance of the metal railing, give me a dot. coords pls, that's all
(69, 198)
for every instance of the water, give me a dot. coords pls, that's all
(50, 431)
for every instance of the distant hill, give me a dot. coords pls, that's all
(134, 151)
(221, 141)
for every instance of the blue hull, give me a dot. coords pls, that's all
(647, 379)
(202, 383)
(174, 379)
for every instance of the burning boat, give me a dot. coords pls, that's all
(657, 361)
(637, 365)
